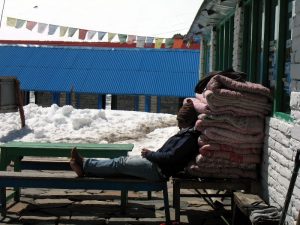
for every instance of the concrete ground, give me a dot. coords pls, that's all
(84, 207)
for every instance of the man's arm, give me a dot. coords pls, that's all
(174, 154)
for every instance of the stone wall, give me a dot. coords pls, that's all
(237, 38)
(43, 99)
(88, 101)
(295, 66)
(167, 104)
(283, 140)
(122, 102)
(281, 144)
(212, 52)
(277, 163)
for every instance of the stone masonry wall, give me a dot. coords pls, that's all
(277, 164)
(295, 145)
(281, 144)
(237, 38)
(283, 140)
(212, 53)
(295, 66)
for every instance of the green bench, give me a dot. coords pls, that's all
(34, 156)
(15, 151)
(69, 180)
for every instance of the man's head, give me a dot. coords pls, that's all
(187, 115)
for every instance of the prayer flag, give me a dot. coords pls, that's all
(19, 23)
(52, 28)
(90, 34)
(11, 22)
(62, 31)
(177, 43)
(30, 25)
(100, 35)
(188, 44)
(169, 42)
(82, 34)
(149, 41)
(111, 36)
(131, 39)
(140, 41)
(71, 31)
(122, 38)
(158, 42)
(42, 27)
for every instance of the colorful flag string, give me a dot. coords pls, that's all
(84, 34)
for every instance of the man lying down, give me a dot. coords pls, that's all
(167, 161)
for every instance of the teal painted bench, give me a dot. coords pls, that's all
(37, 159)
(16, 151)
(31, 179)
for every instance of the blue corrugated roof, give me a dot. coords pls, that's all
(129, 71)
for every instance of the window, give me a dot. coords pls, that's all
(267, 47)
(224, 43)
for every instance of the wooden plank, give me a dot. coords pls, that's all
(67, 145)
(247, 202)
(45, 164)
(69, 180)
(13, 151)
(67, 175)
(208, 183)
(217, 184)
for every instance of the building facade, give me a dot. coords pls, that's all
(261, 38)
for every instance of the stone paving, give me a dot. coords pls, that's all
(84, 207)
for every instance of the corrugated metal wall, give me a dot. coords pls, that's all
(156, 72)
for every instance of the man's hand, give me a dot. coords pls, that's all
(145, 152)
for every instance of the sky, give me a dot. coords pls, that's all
(158, 18)
(69, 125)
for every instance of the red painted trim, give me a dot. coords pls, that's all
(86, 44)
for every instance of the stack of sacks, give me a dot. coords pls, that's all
(231, 121)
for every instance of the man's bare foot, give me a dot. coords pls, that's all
(76, 163)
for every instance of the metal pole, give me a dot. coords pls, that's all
(2, 12)
(291, 188)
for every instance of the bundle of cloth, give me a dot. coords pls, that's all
(231, 120)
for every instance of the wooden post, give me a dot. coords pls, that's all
(19, 100)
(298, 220)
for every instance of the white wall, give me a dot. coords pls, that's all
(282, 138)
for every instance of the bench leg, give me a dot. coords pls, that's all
(233, 210)
(176, 199)
(124, 200)
(3, 201)
(238, 217)
(17, 190)
(166, 203)
(149, 195)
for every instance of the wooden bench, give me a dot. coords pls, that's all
(16, 151)
(230, 185)
(244, 204)
(70, 181)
